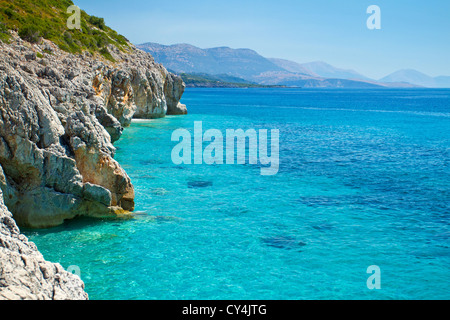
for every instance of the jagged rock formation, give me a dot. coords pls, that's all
(24, 274)
(59, 116)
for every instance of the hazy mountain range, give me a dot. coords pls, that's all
(248, 65)
(185, 58)
(418, 78)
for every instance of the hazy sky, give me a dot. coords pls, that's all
(414, 33)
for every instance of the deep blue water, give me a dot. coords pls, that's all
(364, 179)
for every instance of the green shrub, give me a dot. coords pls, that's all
(98, 22)
(4, 34)
(3, 28)
(9, 12)
(105, 53)
(68, 38)
(36, 19)
(30, 34)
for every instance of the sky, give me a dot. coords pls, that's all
(414, 34)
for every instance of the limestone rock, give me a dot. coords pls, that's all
(24, 273)
(180, 109)
(174, 89)
(59, 117)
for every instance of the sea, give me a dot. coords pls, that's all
(358, 209)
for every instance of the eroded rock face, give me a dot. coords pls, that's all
(59, 116)
(139, 88)
(24, 273)
(174, 89)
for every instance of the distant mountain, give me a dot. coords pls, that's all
(326, 70)
(330, 83)
(319, 69)
(293, 67)
(228, 65)
(248, 65)
(301, 80)
(410, 76)
(418, 78)
(185, 58)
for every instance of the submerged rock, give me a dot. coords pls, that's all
(283, 242)
(159, 191)
(162, 219)
(199, 184)
(323, 227)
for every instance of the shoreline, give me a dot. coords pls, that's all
(57, 154)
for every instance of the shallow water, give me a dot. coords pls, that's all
(364, 179)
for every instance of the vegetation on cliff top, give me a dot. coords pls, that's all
(36, 19)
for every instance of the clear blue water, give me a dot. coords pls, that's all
(364, 180)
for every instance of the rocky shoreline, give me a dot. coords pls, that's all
(25, 274)
(60, 114)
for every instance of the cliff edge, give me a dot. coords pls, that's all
(24, 273)
(60, 114)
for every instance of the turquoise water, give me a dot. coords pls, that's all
(364, 180)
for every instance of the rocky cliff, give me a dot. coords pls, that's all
(24, 273)
(59, 116)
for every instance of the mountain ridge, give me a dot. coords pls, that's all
(326, 70)
(417, 77)
(250, 65)
(242, 63)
